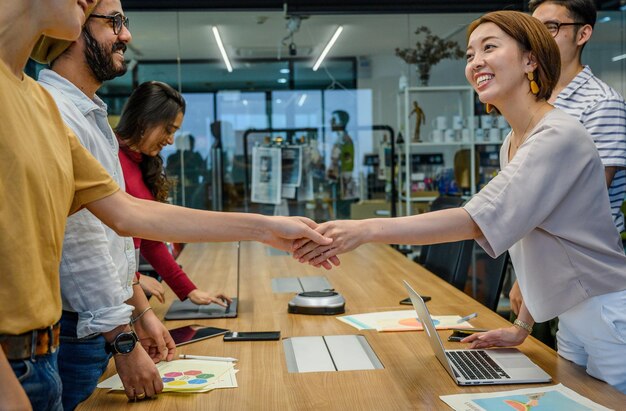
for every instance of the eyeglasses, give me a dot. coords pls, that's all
(554, 26)
(118, 20)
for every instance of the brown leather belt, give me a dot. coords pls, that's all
(32, 343)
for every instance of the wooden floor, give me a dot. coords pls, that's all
(370, 280)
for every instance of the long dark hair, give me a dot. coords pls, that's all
(150, 105)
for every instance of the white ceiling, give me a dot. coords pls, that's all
(258, 34)
(155, 33)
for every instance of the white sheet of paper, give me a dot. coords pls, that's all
(553, 398)
(206, 375)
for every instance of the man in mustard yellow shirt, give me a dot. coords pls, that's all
(47, 175)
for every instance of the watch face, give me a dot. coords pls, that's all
(125, 342)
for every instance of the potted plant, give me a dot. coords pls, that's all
(429, 52)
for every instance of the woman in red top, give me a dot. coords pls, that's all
(151, 116)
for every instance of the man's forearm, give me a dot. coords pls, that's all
(156, 221)
(609, 174)
(138, 300)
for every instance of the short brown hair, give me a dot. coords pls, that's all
(531, 35)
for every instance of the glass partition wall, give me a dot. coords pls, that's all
(273, 98)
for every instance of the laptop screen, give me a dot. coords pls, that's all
(424, 317)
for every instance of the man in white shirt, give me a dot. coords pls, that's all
(582, 95)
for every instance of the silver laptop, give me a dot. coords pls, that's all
(478, 367)
(187, 310)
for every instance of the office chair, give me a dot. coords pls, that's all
(439, 203)
(489, 274)
(450, 261)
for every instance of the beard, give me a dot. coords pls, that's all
(100, 61)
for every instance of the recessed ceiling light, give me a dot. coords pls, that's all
(284, 71)
(278, 101)
(282, 80)
(329, 45)
(220, 45)
(604, 19)
(618, 58)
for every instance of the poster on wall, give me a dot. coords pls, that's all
(292, 166)
(266, 175)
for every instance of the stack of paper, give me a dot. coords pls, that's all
(404, 320)
(188, 376)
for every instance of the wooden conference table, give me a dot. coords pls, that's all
(370, 280)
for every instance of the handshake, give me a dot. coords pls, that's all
(317, 244)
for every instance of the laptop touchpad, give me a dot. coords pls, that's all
(519, 362)
(511, 358)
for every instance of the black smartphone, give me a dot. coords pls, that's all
(195, 332)
(407, 301)
(252, 336)
(458, 334)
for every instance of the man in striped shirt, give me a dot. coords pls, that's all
(582, 95)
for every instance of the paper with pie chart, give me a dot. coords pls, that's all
(192, 375)
(403, 320)
(187, 376)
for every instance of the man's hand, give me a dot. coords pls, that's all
(155, 338)
(283, 230)
(502, 337)
(138, 374)
(346, 235)
(515, 296)
(203, 297)
(152, 287)
(12, 394)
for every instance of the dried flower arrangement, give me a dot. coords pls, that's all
(429, 52)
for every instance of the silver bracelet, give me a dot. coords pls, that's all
(134, 320)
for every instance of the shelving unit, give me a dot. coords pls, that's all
(435, 102)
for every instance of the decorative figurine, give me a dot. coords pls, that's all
(419, 120)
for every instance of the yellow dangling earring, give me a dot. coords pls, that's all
(534, 87)
(488, 108)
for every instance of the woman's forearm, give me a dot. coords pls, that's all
(442, 226)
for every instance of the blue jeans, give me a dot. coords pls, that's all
(81, 362)
(40, 379)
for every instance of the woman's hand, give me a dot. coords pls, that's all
(204, 298)
(281, 231)
(151, 286)
(346, 235)
(502, 337)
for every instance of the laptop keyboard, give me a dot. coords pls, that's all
(476, 365)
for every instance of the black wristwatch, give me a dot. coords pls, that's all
(124, 343)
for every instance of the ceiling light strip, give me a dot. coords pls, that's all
(220, 45)
(327, 48)
(618, 58)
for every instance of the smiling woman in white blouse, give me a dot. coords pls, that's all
(548, 206)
